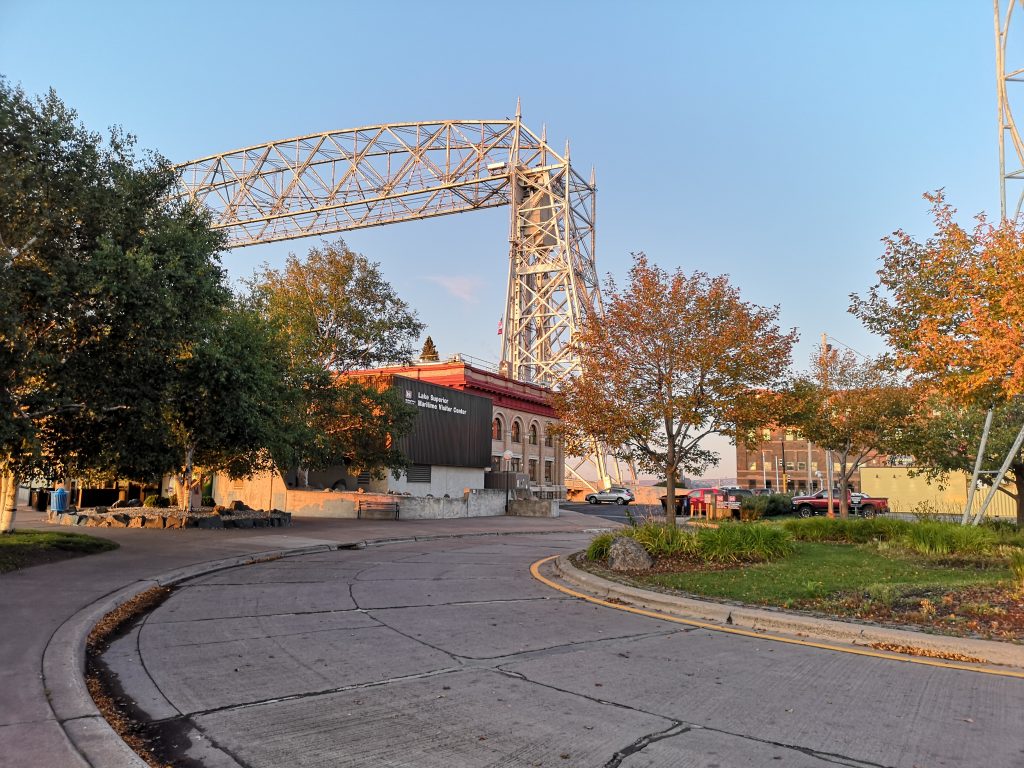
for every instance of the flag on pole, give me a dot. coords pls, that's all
(499, 326)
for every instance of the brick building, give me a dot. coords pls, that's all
(521, 419)
(784, 450)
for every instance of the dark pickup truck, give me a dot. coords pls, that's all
(860, 504)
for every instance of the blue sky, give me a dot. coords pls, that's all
(776, 142)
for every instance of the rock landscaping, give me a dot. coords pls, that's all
(236, 516)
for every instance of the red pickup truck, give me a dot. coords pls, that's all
(860, 504)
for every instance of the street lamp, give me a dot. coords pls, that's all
(507, 456)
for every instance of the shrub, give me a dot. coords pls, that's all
(730, 543)
(171, 501)
(599, 546)
(778, 504)
(208, 501)
(150, 501)
(753, 507)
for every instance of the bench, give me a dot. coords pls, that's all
(376, 510)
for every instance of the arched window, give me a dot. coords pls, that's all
(516, 436)
(496, 429)
(533, 434)
(548, 439)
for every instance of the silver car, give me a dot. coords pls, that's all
(615, 494)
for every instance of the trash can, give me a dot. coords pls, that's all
(59, 500)
(42, 498)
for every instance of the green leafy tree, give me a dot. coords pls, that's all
(675, 358)
(103, 277)
(226, 397)
(334, 313)
(855, 408)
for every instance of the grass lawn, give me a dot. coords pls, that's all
(817, 571)
(25, 548)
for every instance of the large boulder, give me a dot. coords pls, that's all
(626, 554)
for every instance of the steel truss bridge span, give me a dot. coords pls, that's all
(338, 181)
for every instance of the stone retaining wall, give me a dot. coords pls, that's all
(135, 519)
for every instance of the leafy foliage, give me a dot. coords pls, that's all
(855, 408)
(98, 267)
(943, 437)
(949, 306)
(334, 313)
(675, 358)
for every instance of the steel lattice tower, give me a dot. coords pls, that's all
(339, 181)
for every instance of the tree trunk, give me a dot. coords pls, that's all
(185, 484)
(671, 471)
(844, 486)
(10, 502)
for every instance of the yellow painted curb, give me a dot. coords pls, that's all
(535, 572)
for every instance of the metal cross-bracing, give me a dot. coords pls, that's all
(1007, 98)
(362, 177)
(338, 181)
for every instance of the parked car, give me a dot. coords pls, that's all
(682, 501)
(616, 494)
(860, 504)
(762, 491)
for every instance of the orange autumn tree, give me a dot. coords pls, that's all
(675, 358)
(952, 313)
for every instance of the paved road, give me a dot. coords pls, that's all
(36, 604)
(614, 512)
(448, 654)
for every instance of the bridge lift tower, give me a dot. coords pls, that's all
(338, 181)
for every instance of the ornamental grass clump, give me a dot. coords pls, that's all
(598, 548)
(731, 543)
(934, 538)
(1017, 568)
(849, 531)
(661, 540)
(819, 529)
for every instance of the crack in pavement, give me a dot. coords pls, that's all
(313, 694)
(644, 741)
(680, 727)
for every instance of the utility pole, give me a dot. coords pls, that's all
(825, 349)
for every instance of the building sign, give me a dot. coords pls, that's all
(452, 427)
(434, 402)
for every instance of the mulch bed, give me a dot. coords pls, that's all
(992, 613)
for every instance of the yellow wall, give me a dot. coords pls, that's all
(906, 493)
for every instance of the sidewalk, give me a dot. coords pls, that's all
(35, 602)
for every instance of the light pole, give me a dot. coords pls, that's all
(507, 456)
(764, 472)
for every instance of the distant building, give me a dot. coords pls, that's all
(785, 451)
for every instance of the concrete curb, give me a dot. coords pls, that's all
(64, 660)
(788, 624)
